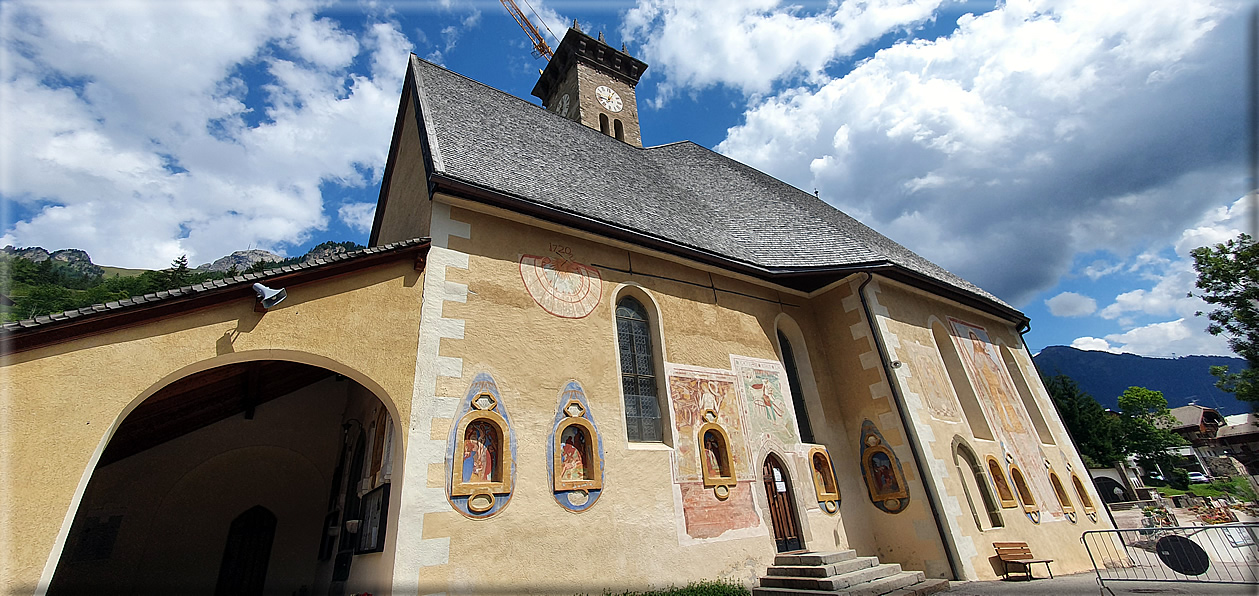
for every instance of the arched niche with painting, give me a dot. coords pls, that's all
(1001, 483)
(824, 485)
(1086, 501)
(481, 458)
(715, 461)
(884, 478)
(576, 454)
(1064, 499)
(1025, 494)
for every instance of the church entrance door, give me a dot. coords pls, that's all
(782, 509)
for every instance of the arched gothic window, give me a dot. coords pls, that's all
(797, 391)
(603, 124)
(619, 129)
(638, 374)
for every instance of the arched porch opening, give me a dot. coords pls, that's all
(307, 444)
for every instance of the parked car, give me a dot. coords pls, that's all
(1198, 478)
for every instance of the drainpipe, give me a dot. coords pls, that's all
(914, 447)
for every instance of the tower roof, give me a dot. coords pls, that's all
(681, 198)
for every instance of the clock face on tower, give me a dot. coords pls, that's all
(563, 106)
(608, 98)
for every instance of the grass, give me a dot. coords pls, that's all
(704, 588)
(122, 272)
(1236, 487)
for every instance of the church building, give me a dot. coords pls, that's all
(566, 363)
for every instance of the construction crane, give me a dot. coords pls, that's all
(540, 47)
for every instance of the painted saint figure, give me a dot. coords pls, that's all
(712, 455)
(884, 476)
(573, 454)
(479, 449)
(821, 473)
(773, 411)
(992, 377)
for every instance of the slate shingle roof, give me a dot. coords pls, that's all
(680, 192)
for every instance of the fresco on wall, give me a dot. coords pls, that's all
(885, 480)
(930, 381)
(692, 391)
(481, 452)
(560, 285)
(1003, 407)
(766, 395)
(575, 455)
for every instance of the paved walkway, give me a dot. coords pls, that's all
(1086, 583)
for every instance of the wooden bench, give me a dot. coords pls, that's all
(1019, 554)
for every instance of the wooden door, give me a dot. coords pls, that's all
(782, 506)
(243, 570)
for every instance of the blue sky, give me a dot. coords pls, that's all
(1064, 155)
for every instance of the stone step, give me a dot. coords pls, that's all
(887, 584)
(922, 588)
(811, 558)
(839, 568)
(835, 582)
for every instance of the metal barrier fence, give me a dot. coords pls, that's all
(1222, 554)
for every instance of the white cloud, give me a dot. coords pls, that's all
(1180, 337)
(751, 44)
(358, 216)
(1099, 269)
(1071, 304)
(1169, 295)
(1034, 132)
(127, 135)
(1095, 344)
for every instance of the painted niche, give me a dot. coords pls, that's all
(1064, 499)
(714, 447)
(481, 459)
(824, 480)
(1003, 486)
(560, 285)
(1025, 494)
(576, 453)
(1085, 500)
(882, 471)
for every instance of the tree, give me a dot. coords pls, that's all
(1147, 424)
(1097, 433)
(178, 274)
(1228, 279)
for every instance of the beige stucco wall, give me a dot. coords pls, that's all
(62, 402)
(856, 389)
(905, 316)
(631, 536)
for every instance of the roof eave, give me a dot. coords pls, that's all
(801, 278)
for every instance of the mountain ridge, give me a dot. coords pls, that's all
(1105, 375)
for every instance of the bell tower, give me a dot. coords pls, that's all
(590, 82)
